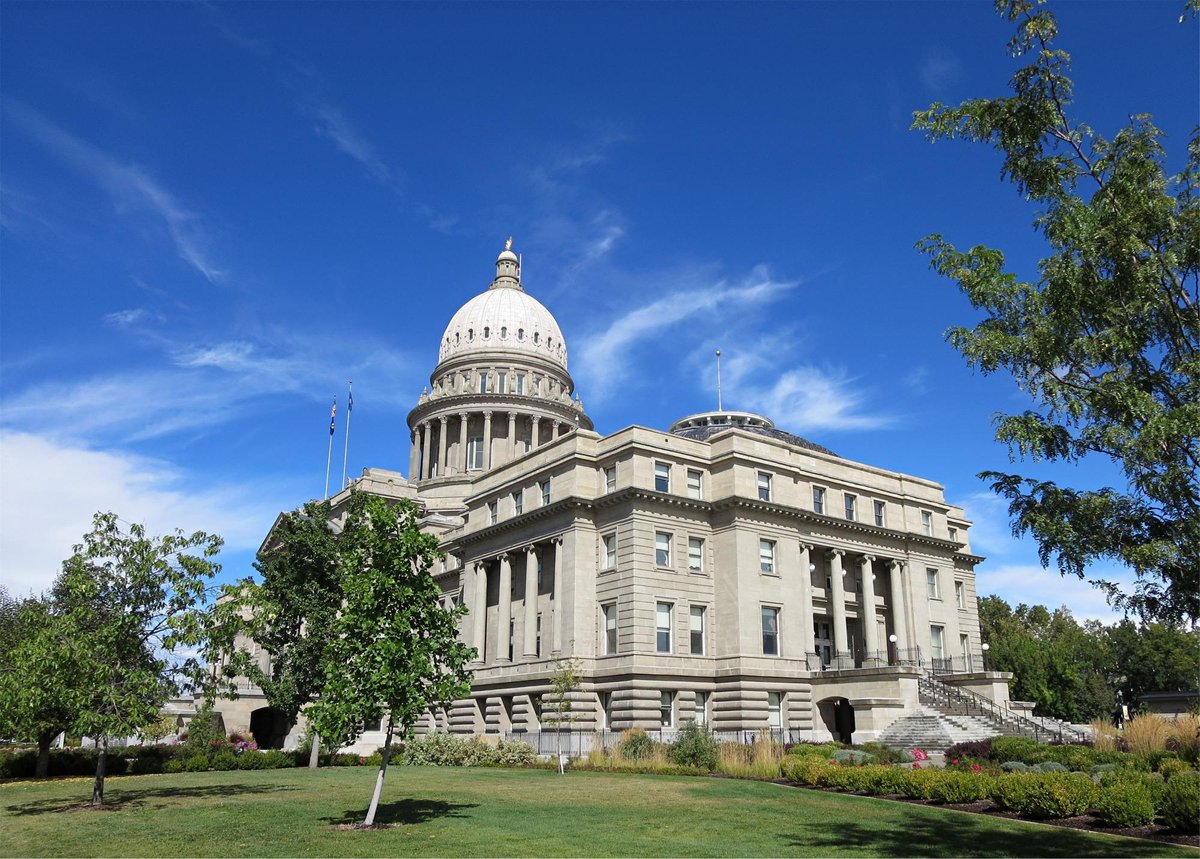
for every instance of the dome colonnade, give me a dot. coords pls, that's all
(501, 386)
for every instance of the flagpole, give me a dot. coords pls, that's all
(346, 448)
(329, 453)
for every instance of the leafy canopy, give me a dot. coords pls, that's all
(1106, 341)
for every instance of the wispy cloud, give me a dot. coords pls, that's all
(50, 491)
(129, 187)
(939, 71)
(129, 317)
(331, 123)
(1033, 585)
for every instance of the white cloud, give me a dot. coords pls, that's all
(1033, 585)
(51, 490)
(939, 71)
(332, 124)
(130, 316)
(128, 186)
(809, 398)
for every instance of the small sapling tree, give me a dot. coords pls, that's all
(563, 683)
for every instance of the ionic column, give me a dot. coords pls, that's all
(487, 440)
(867, 609)
(557, 543)
(531, 601)
(807, 642)
(427, 437)
(414, 455)
(441, 461)
(462, 442)
(899, 627)
(535, 431)
(504, 612)
(512, 436)
(479, 609)
(838, 603)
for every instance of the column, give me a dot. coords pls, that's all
(557, 429)
(414, 455)
(427, 437)
(462, 442)
(807, 644)
(479, 609)
(531, 602)
(504, 612)
(535, 431)
(837, 600)
(512, 436)
(441, 460)
(487, 440)
(899, 626)
(557, 543)
(867, 613)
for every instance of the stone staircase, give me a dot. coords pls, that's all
(949, 714)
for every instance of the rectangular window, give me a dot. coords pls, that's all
(936, 644)
(502, 383)
(764, 486)
(491, 512)
(880, 514)
(545, 487)
(662, 549)
(775, 711)
(663, 627)
(818, 499)
(960, 595)
(610, 478)
(482, 386)
(927, 523)
(518, 502)
(695, 554)
(931, 580)
(662, 477)
(953, 534)
(512, 629)
(766, 556)
(695, 484)
(697, 630)
(538, 643)
(666, 710)
(606, 709)
(610, 628)
(475, 453)
(701, 708)
(964, 646)
(851, 506)
(770, 631)
(520, 383)
(608, 553)
(539, 572)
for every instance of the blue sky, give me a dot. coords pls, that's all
(214, 215)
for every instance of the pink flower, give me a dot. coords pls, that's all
(919, 754)
(976, 768)
(916, 766)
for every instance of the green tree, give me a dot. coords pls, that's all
(124, 603)
(1106, 341)
(563, 682)
(394, 649)
(291, 611)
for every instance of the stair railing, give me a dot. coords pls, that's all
(951, 695)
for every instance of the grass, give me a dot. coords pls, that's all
(494, 812)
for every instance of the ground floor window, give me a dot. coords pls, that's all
(701, 708)
(775, 711)
(666, 710)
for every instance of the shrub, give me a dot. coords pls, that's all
(805, 769)
(375, 759)
(275, 759)
(636, 744)
(196, 763)
(1101, 769)
(345, 760)
(1172, 766)
(507, 753)
(1051, 767)
(975, 749)
(1181, 802)
(852, 756)
(1014, 766)
(824, 750)
(151, 759)
(251, 761)
(225, 760)
(918, 783)
(1184, 737)
(1104, 735)
(1020, 749)
(757, 760)
(18, 764)
(445, 750)
(960, 787)
(1146, 734)
(694, 747)
(1125, 803)
(174, 765)
(1044, 795)
(886, 754)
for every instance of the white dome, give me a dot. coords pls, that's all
(504, 319)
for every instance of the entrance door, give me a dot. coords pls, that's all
(823, 640)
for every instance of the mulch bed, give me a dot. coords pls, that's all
(1085, 822)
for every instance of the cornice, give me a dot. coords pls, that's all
(500, 404)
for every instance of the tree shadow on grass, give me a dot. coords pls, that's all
(960, 835)
(402, 812)
(121, 798)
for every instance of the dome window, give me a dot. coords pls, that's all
(503, 331)
(470, 333)
(487, 332)
(536, 337)
(520, 333)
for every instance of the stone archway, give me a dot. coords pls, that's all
(838, 718)
(269, 727)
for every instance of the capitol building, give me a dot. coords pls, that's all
(722, 570)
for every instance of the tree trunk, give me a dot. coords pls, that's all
(43, 756)
(387, 751)
(101, 763)
(314, 755)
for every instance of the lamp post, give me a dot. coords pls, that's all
(985, 647)
(893, 656)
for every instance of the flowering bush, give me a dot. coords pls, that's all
(918, 754)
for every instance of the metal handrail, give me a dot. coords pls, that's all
(957, 695)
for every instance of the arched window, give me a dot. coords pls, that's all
(487, 332)
(520, 333)
(470, 333)
(503, 331)
(536, 336)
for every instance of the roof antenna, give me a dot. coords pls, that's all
(720, 408)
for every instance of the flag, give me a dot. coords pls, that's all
(333, 416)
(350, 404)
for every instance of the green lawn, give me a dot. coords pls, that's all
(492, 812)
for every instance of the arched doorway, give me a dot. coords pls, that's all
(269, 727)
(838, 717)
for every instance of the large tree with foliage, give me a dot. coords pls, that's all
(290, 612)
(1106, 341)
(394, 650)
(123, 605)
